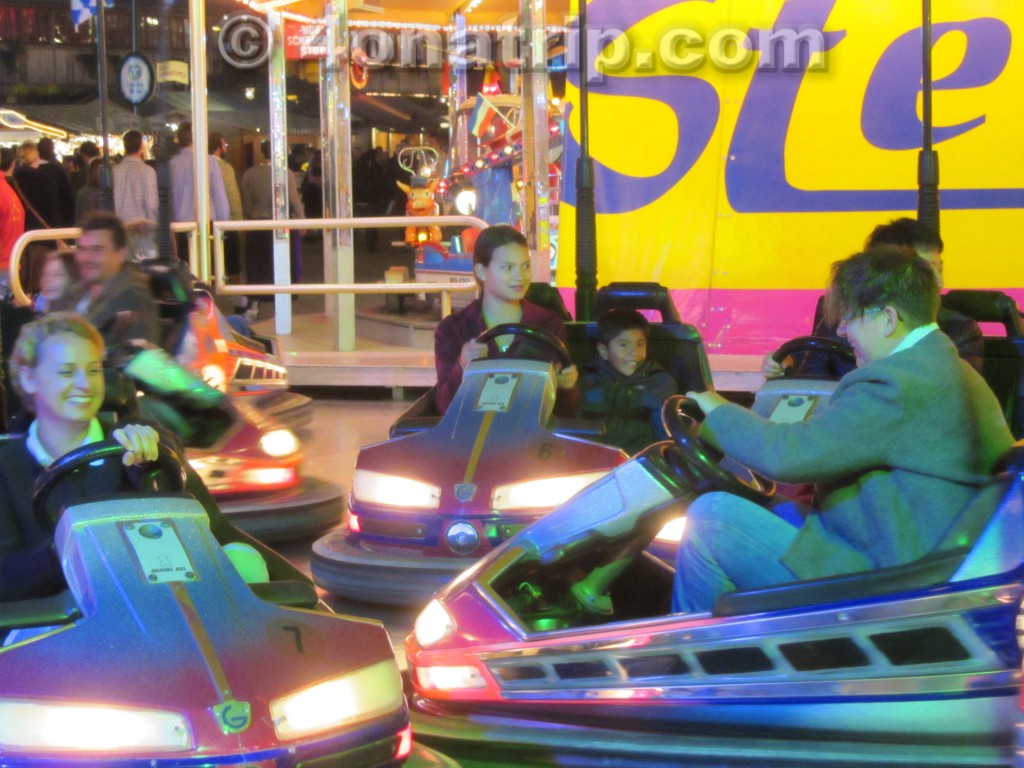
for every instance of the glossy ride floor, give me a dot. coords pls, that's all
(341, 425)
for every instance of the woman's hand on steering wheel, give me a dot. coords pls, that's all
(141, 443)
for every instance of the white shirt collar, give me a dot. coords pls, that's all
(93, 434)
(915, 336)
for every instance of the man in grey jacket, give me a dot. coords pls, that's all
(904, 444)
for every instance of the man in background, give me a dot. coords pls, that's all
(232, 245)
(183, 202)
(136, 199)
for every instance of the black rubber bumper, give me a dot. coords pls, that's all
(352, 572)
(310, 508)
(522, 742)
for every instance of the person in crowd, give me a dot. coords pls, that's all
(12, 219)
(904, 444)
(297, 161)
(258, 203)
(183, 204)
(58, 367)
(136, 196)
(926, 243)
(58, 275)
(624, 388)
(90, 197)
(218, 147)
(110, 291)
(312, 189)
(501, 266)
(371, 190)
(50, 165)
(38, 194)
(86, 153)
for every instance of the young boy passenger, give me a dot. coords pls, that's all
(905, 442)
(624, 388)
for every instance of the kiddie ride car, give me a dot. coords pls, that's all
(159, 654)
(442, 493)
(562, 640)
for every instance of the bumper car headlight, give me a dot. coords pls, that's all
(36, 725)
(450, 678)
(356, 697)
(433, 625)
(394, 491)
(543, 493)
(672, 531)
(279, 443)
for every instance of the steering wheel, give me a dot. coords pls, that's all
(547, 340)
(169, 466)
(834, 350)
(682, 418)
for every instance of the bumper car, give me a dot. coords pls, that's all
(562, 641)
(245, 368)
(443, 492)
(159, 654)
(250, 463)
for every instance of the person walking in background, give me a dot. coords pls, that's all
(218, 146)
(258, 203)
(183, 203)
(136, 197)
(12, 219)
(52, 167)
(312, 190)
(38, 195)
(86, 153)
(90, 197)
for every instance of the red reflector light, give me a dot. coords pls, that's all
(404, 746)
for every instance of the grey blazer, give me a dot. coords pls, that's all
(903, 445)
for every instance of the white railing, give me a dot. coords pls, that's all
(219, 227)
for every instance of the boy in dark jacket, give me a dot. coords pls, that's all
(624, 388)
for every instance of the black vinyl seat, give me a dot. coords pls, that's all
(676, 346)
(1002, 356)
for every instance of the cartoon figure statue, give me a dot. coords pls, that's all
(420, 162)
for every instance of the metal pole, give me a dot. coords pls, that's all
(106, 175)
(586, 215)
(537, 197)
(200, 136)
(928, 159)
(279, 169)
(335, 120)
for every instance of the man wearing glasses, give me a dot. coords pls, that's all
(891, 476)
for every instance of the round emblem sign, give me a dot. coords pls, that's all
(137, 79)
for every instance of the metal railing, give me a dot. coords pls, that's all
(372, 222)
(219, 227)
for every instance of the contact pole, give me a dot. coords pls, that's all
(106, 173)
(928, 159)
(586, 215)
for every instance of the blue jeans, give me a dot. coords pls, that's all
(729, 543)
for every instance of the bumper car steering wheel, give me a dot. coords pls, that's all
(167, 473)
(835, 351)
(545, 341)
(700, 462)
